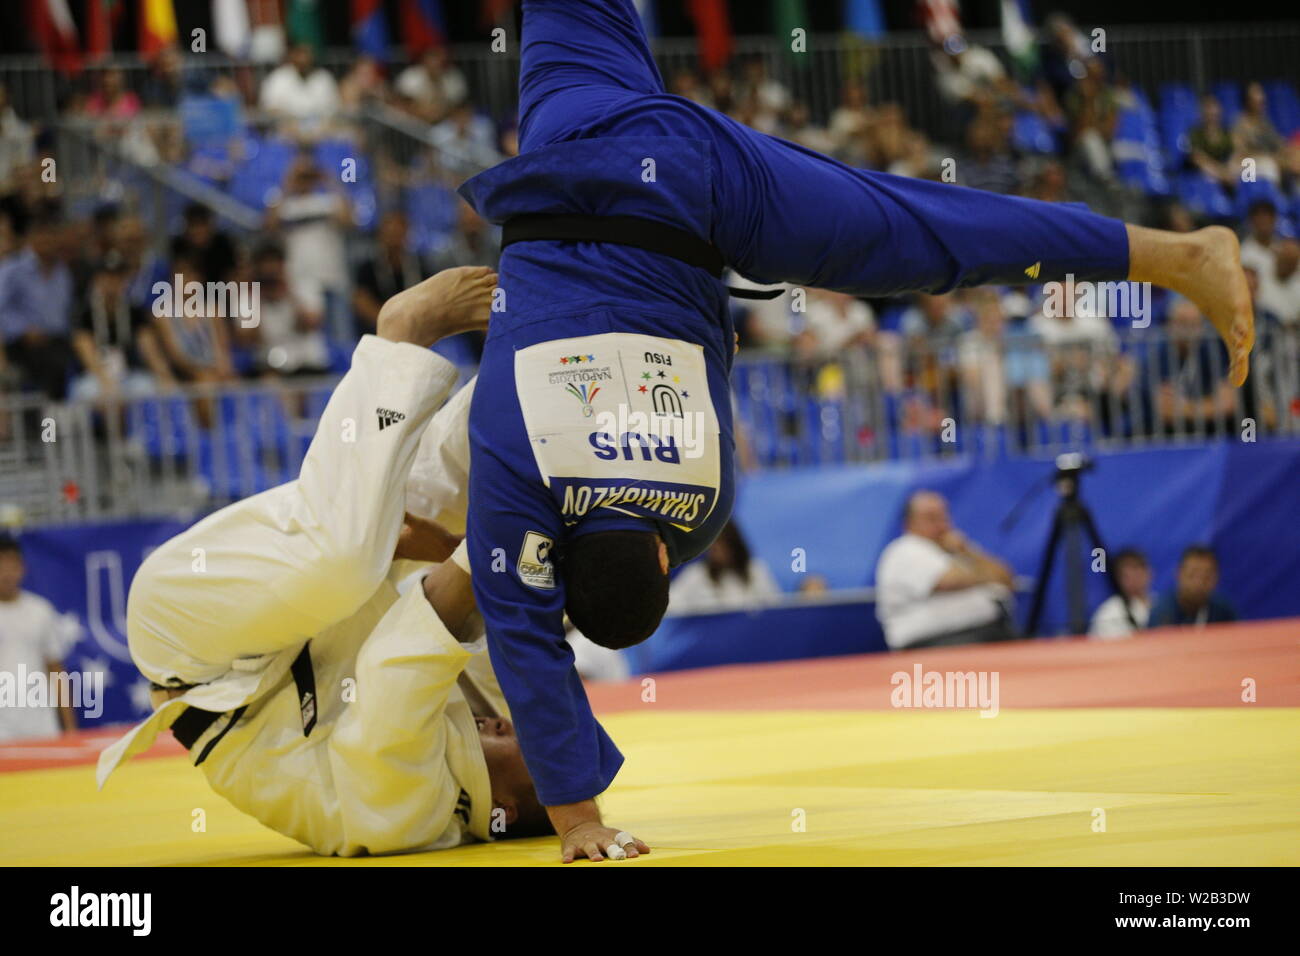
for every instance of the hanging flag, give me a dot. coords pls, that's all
(423, 26)
(649, 16)
(302, 24)
(101, 23)
(231, 28)
(864, 17)
(267, 42)
(370, 28)
(940, 19)
(495, 11)
(791, 15)
(56, 34)
(713, 27)
(1018, 35)
(157, 25)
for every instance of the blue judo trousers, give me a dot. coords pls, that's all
(595, 344)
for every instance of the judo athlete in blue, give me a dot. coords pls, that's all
(601, 431)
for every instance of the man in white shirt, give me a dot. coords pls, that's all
(1120, 615)
(935, 587)
(30, 643)
(300, 90)
(1279, 283)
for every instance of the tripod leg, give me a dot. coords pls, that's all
(1044, 575)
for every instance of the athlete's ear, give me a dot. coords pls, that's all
(663, 555)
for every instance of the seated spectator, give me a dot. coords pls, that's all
(1279, 287)
(1092, 109)
(1257, 246)
(32, 639)
(195, 346)
(290, 319)
(114, 340)
(935, 587)
(17, 140)
(36, 302)
(1194, 601)
(833, 322)
(801, 129)
(472, 243)
(728, 576)
(1193, 394)
(300, 91)
(394, 267)
(1086, 362)
(1256, 136)
(1212, 144)
(967, 74)
(213, 249)
(849, 124)
(112, 99)
(1120, 615)
(467, 141)
(362, 85)
(312, 216)
(1004, 379)
(990, 164)
(432, 88)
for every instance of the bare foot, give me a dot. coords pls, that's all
(1205, 266)
(452, 301)
(1218, 285)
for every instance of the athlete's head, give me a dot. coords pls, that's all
(616, 585)
(512, 787)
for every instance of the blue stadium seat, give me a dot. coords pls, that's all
(431, 211)
(1203, 196)
(1031, 134)
(1136, 147)
(1178, 114)
(1283, 106)
(1228, 93)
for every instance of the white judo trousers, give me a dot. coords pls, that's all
(393, 762)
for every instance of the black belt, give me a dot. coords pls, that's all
(647, 234)
(194, 722)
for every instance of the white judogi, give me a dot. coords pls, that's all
(393, 761)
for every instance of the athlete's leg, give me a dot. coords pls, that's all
(593, 51)
(276, 569)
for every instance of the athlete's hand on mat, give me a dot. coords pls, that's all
(424, 540)
(596, 841)
(454, 300)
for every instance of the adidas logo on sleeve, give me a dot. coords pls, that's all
(389, 417)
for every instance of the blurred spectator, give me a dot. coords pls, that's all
(801, 129)
(289, 319)
(1121, 614)
(1064, 54)
(1211, 144)
(313, 216)
(165, 83)
(195, 345)
(1193, 393)
(1003, 379)
(967, 74)
(433, 87)
(112, 99)
(1092, 111)
(114, 341)
(17, 141)
(301, 91)
(686, 83)
(471, 243)
(214, 250)
(771, 95)
(1256, 136)
(31, 641)
(466, 140)
(1194, 601)
(849, 124)
(933, 317)
(728, 576)
(990, 164)
(36, 300)
(935, 587)
(832, 323)
(362, 85)
(1279, 286)
(1085, 358)
(393, 267)
(1261, 234)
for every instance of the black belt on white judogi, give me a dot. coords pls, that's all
(194, 722)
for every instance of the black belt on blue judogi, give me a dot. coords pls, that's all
(647, 234)
(194, 722)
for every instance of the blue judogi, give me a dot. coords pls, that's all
(588, 328)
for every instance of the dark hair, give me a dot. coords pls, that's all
(197, 212)
(730, 536)
(531, 819)
(1131, 554)
(616, 592)
(1199, 551)
(269, 249)
(9, 544)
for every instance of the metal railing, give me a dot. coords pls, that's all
(191, 449)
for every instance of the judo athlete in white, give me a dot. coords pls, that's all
(313, 695)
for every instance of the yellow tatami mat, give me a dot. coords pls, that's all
(1086, 787)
